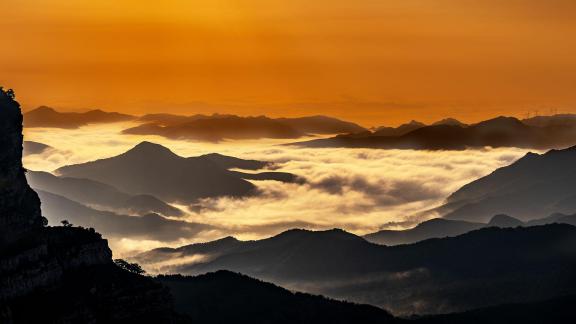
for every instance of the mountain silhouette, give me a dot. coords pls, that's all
(99, 195)
(398, 131)
(504, 221)
(530, 188)
(31, 148)
(226, 297)
(434, 228)
(229, 162)
(440, 228)
(562, 120)
(152, 169)
(449, 121)
(321, 125)
(438, 275)
(49, 117)
(496, 132)
(216, 128)
(145, 227)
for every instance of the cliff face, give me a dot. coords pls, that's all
(19, 204)
(59, 274)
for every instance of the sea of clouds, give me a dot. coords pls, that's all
(359, 190)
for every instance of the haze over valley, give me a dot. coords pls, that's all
(359, 190)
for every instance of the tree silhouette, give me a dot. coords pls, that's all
(66, 223)
(130, 267)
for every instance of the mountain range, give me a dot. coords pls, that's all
(151, 169)
(450, 134)
(114, 225)
(216, 128)
(100, 196)
(533, 187)
(225, 297)
(432, 276)
(31, 148)
(49, 117)
(440, 228)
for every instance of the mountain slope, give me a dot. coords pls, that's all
(434, 228)
(154, 170)
(99, 195)
(48, 117)
(147, 227)
(226, 297)
(432, 276)
(220, 127)
(532, 187)
(497, 132)
(31, 148)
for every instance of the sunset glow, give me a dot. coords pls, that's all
(373, 62)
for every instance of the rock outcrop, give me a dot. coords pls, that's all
(59, 274)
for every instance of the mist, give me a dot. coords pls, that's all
(358, 190)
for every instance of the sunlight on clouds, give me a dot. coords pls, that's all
(359, 190)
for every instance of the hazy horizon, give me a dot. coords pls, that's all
(372, 62)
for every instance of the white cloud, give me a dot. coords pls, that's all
(359, 190)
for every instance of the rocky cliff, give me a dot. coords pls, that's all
(59, 274)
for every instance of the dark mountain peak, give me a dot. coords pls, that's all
(502, 122)
(150, 149)
(449, 121)
(527, 158)
(228, 239)
(503, 220)
(415, 123)
(44, 109)
(332, 234)
(433, 222)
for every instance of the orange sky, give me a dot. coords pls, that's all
(372, 61)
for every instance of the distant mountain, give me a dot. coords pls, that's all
(229, 162)
(147, 227)
(563, 120)
(216, 127)
(99, 196)
(321, 125)
(440, 228)
(31, 148)
(155, 170)
(226, 297)
(497, 132)
(556, 218)
(432, 276)
(434, 228)
(449, 121)
(530, 188)
(504, 221)
(49, 117)
(398, 131)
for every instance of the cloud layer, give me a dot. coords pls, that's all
(360, 190)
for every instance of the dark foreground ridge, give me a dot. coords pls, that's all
(59, 274)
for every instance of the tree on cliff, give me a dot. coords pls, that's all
(9, 93)
(130, 267)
